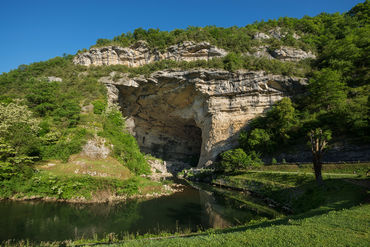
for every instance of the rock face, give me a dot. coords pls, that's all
(95, 149)
(276, 33)
(140, 54)
(284, 53)
(192, 116)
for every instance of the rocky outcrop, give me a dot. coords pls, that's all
(140, 54)
(54, 78)
(192, 116)
(276, 33)
(95, 149)
(284, 53)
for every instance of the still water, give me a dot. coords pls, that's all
(191, 209)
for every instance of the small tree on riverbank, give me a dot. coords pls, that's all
(319, 141)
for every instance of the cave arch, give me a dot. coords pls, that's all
(163, 122)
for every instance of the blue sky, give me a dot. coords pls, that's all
(36, 30)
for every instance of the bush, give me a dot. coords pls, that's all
(126, 149)
(99, 106)
(236, 159)
(70, 143)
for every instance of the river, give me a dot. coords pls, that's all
(189, 210)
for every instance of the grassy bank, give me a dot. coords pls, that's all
(84, 188)
(331, 229)
(294, 187)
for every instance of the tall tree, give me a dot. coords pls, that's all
(328, 92)
(319, 141)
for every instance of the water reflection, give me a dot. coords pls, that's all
(191, 210)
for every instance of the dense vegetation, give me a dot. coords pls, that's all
(337, 98)
(45, 119)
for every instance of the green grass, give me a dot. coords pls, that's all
(299, 191)
(82, 188)
(332, 229)
(355, 168)
(80, 165)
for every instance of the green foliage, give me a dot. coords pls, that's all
(126, 149)
(328, 92)
(68, 113)
(61, 147)
(273, 131)
(233, 61)
(256, 139)
(99, 106)
(42, 97)
(12, 163)
(236, 159)
(71, 187)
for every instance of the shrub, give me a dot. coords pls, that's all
(236, 159)
(99, 106)
(126, 149)
(273, 161)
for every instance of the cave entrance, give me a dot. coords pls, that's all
(161, 119)
(178, 140)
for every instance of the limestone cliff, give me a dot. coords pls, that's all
(140, 54)
(196, 114)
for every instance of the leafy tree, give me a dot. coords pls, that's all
(14, 114)
(257, 139)
(42, 97)
(319, 141)
(236, 159)
(11, 163)
(281, 118)
(328, 92)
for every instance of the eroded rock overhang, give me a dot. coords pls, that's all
(194, 115)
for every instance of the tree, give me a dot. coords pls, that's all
(328, 92)
(319, 140)
(281, 118)
(235, 159)
(257, 139)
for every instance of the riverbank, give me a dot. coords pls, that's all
(292, 188)
(336, 214)
(83, 188)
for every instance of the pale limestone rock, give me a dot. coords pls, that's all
(192, 116)
(278, 33)
(54, 78)
(95, 149)
(261, 51)
(158, 169)
(286, 53)
(261, 35)
(140, 54)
